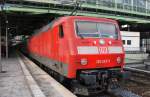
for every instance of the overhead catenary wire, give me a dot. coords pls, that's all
(77, 5)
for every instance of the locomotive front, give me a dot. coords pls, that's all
(98, 53)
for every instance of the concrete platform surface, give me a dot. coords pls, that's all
(23, 78)
(13, 82)
(17, 81)
(135, 58)
(49, 86)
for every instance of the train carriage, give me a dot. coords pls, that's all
(86, 49)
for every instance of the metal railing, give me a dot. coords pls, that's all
(133, 6)
(135, 55)
(100, 7)
(135, 49)
(120, 6)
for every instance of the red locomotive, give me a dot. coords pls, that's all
(83, 49)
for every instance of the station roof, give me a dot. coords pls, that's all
(54, 7)
(28, 12)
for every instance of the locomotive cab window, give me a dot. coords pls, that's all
(61, 32)
(96, 29)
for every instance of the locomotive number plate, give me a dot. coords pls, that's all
(103, 61)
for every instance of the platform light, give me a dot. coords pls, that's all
(125, 26)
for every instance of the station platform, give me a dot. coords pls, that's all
(25, 79)
(135, 58)
(13, 82)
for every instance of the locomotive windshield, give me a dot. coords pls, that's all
(96, 29)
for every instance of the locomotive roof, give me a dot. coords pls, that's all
(88, 18)
(61, 19)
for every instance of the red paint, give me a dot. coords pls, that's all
(48, 44)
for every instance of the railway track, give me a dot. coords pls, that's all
(139, 81)
(119, 92)
(138, 75)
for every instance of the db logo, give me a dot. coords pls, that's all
(103, 50)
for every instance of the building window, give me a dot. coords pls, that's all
(124, 42)
(128, 42)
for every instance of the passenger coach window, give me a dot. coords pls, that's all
(61, 32)
(96, 29)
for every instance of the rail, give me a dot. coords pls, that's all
(139, 74)
(133, 69)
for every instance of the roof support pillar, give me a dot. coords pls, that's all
(0, 47)
(6, 22)
(1, 68)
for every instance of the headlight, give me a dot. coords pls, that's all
(119, 60)
(84, 61)
(101, 41)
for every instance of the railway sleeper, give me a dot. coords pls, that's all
(119, 92)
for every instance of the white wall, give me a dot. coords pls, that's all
(134, 37)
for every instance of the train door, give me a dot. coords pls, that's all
(57, 47)
(61, 43)
(61, 50)
(58, 42)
